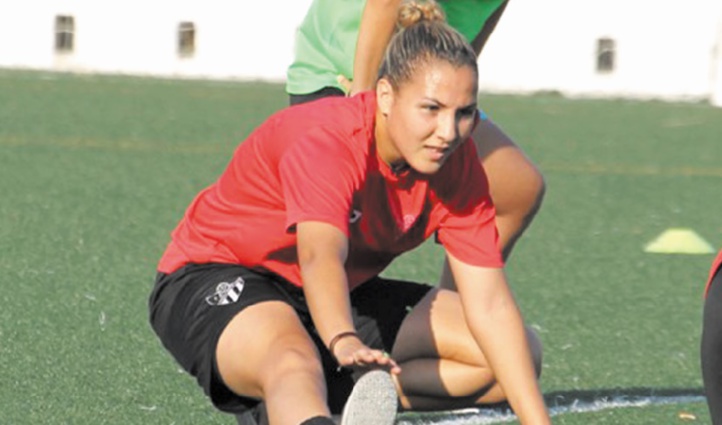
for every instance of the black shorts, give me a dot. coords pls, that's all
(190, 308)
(297, 99)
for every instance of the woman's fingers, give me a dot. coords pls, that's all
(364, 357)
(344, 82)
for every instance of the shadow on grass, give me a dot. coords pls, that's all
(561, 402)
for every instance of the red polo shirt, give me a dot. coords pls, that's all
(318, 162)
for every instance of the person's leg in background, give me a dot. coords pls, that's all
(517, 186)
(711, 348)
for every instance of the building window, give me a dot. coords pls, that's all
(186, 39)
(64, 33)
(606, 50)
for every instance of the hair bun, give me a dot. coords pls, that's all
(415, 11)
(423, 36)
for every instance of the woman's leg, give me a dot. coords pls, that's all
(266, 353)
(711, 349)
(442, 366)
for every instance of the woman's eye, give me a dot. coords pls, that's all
(431, 108)
(467, 112)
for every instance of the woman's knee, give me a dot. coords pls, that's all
(289, 361)
(525, 197)
(537, 190)
(249, 359)
(284, 364)
(516, 183)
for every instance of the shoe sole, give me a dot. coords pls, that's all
(373, 401)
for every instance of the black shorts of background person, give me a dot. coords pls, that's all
(711, 348)
(297, 99)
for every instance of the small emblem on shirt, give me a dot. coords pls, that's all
(409, 220)
(226, 293)
(355, 216)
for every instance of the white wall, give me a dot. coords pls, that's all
(664, 50)
(716, 68)
(234, 39)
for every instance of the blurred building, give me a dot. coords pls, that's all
(638, 48)
(177, 38)
(659, 49)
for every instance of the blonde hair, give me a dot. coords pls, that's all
(412, 12)
(423, 36)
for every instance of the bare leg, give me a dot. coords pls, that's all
(516, 184)
(442, 366)
(265, 352)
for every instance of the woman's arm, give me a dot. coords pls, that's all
(497, 326)
(378, 23)
(322, 252)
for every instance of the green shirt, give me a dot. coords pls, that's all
(326, 39)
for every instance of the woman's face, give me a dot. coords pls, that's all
(427, 117)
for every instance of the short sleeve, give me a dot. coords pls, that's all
(318, 175)
(467, 226)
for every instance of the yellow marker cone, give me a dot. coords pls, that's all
(679, 241)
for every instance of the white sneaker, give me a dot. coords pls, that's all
(373, 401)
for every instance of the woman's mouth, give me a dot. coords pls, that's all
(436, 154)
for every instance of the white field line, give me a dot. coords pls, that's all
(490, 416)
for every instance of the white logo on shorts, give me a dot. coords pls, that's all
(355, 216)
(226, 293)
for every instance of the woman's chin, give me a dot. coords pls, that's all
(428, 167)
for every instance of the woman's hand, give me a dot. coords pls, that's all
(351, 353)
(346, 85)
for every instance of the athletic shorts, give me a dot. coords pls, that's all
(190, 308)
(296, 99)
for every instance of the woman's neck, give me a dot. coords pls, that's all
(387, 152)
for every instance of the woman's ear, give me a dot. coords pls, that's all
(384, 95)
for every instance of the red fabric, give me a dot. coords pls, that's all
(715, 266)
(318, 162)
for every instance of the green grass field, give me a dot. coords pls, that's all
(96, 171)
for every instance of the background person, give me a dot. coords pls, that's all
(711, 347)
